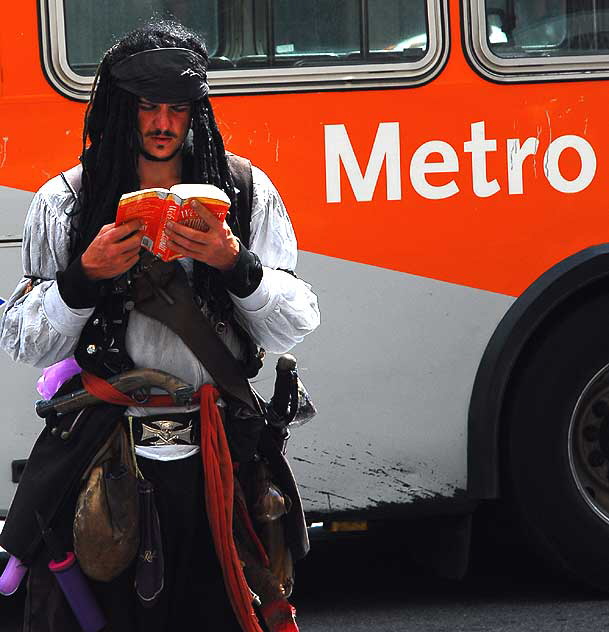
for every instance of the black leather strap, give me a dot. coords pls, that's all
(241, 170)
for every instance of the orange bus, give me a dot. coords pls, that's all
(445, 165)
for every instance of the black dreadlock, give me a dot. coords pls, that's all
(111, 149)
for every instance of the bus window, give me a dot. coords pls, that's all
(531, 37)
(91, 27)
(547, 27)
(394, 31)
(353, 40)
(401, 22)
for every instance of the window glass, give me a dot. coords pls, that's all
(348, 31)
(317, 27)
(398, 26)
(260, 33)
(547, 28)
(92, 27)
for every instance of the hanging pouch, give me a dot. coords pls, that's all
(106, 522)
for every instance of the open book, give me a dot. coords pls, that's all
(155, 207)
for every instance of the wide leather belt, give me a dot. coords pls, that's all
(163, 430)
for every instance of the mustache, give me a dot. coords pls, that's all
(159, 132)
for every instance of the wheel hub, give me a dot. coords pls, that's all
(589, 443)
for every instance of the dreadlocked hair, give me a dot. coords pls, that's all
(110, 151)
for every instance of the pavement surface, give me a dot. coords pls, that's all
(369, 582)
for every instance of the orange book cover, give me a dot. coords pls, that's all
(155, 207)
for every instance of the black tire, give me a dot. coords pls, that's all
(547, 441)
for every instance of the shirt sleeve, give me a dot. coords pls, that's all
(283, 309)
(37, 326)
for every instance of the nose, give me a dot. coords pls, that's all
(162, 119)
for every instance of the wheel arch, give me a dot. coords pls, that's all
(561, 283)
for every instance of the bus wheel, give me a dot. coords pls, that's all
(556, 441)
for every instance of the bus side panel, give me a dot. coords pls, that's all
(391, 370)
(20, 425)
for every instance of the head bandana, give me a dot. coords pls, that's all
(163, 75)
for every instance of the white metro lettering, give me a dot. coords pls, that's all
(419, 168)
(516, 155)
(478, 146)
(386, 149)
(588, 167)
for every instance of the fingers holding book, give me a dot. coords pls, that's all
(213, 243)
(114, 250)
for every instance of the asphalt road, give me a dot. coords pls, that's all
(370, 583)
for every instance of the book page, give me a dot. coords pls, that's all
(147, 206)
(211, 197)
(180, 211)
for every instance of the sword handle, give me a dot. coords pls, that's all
(285, 395)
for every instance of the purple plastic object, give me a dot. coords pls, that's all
(78, 593)
(12, 576)
(55, 375)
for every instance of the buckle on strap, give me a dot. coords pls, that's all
(166, 432)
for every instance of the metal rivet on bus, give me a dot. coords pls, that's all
(600, 408)
(220, 328)
(91, 349)
(129, 305)
(596, 458)
(591, 433)
(55, 431)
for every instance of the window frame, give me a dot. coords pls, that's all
(264, 80)
(522, 69)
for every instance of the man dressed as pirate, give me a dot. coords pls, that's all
(150, 124)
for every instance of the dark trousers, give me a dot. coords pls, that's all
(193, 596)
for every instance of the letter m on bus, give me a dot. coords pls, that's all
(386, 149)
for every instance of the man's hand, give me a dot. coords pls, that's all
(217, 246)
(113, 251)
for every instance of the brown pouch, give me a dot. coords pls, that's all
(106, 522)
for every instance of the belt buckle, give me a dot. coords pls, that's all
(166, 432)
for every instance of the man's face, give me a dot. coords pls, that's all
(162, 128)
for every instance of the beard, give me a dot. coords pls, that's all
(152, 158)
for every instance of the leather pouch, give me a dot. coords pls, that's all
(106, 522)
